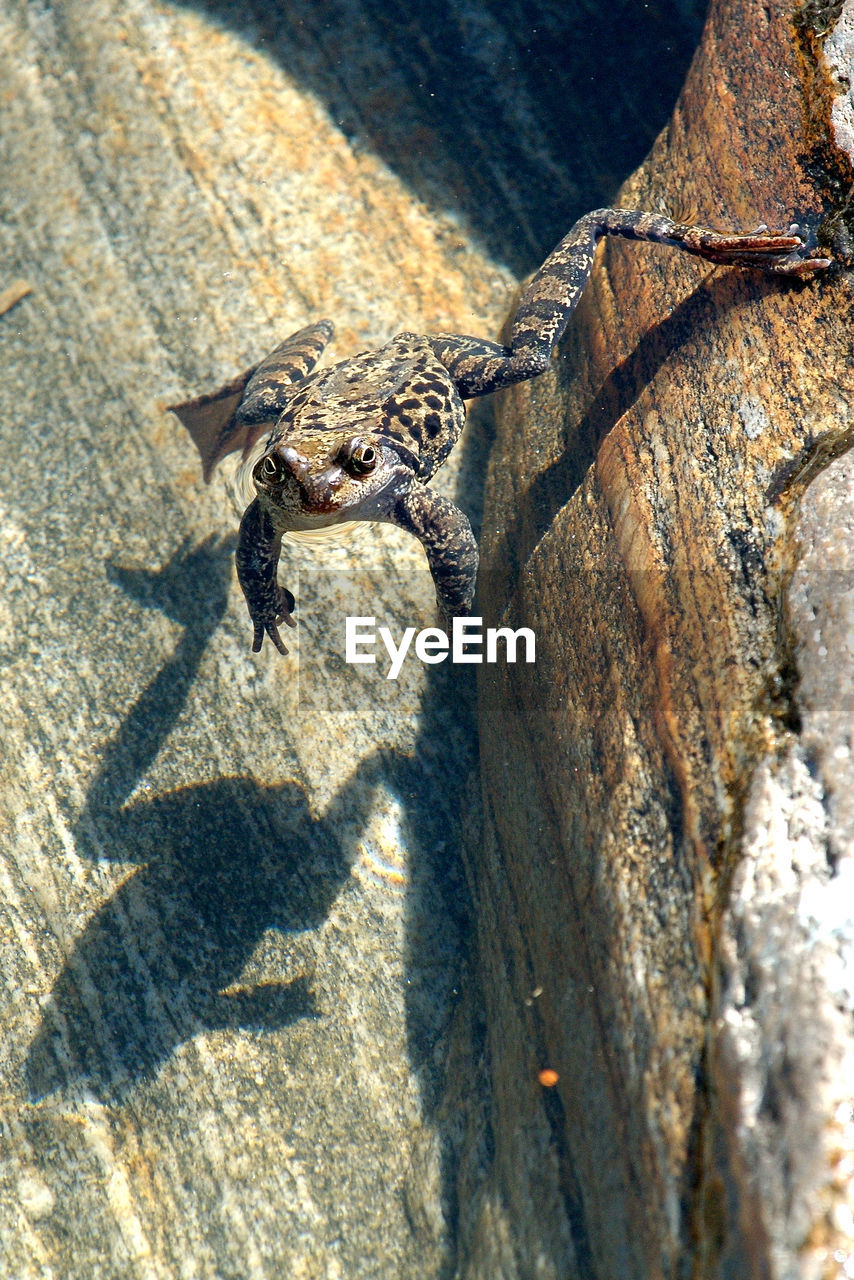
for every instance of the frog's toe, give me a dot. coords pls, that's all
(287, 604)
(799, 264)
(273, 633)
(267, 627)
(258, 636)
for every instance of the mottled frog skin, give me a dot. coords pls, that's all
(361, 440)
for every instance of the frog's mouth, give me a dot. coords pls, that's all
(319, 495)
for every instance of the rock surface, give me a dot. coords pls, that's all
(232, 904)
(663, 897)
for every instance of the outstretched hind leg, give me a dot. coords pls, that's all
(239, 413)
(479, 367)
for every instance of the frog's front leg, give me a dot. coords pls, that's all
(257, 557)
(479, 367)
(445, 534)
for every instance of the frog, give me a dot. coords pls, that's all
(361, 439)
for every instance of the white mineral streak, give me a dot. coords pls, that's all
(788, 1007)
(839, 55)
(788, 1017)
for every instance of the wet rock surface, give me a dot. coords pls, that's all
(233, 907)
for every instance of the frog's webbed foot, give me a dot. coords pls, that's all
(209, 419)
(782, 252)
(257, 560)
(445, 534)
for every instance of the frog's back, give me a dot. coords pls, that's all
(402, 393)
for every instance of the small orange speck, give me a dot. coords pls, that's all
(548, 1077)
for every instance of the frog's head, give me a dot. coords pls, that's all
(323, 477)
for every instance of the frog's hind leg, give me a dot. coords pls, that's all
(479, 367)
(238, 414)
(291, 361)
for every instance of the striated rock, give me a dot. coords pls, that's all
(232, 908)
(663, 897)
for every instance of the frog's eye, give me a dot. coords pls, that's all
(269, 468)
(361, 458)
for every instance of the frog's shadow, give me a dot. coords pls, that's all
(222, 862)
(149, 969)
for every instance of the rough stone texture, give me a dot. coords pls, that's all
(663, 896)
(784, 1049)
(231, 905)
